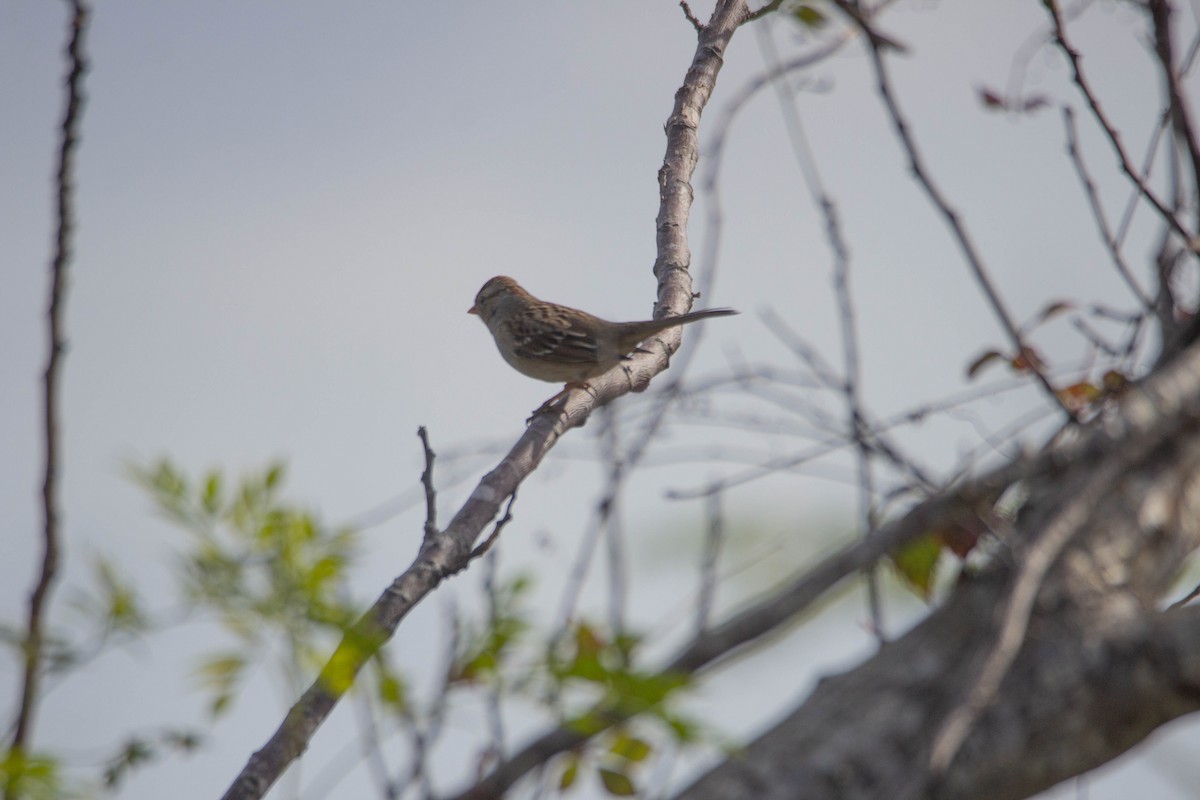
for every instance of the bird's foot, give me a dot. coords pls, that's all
(558, 401)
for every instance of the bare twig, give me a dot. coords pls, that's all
(769, 8)
(427, 482)
(51, 547)
(487, 543)
(687, 12)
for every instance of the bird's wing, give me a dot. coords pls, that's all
(557, 339)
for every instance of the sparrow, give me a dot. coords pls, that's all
(556, 343)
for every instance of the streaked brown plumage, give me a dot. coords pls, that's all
(556, 343)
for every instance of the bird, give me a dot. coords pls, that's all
(556, 343)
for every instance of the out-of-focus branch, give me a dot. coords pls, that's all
(1185, 131)
(762, 618)
(1060, 38)
(966, 245)
(51, 548)
(1106, 233)
(972, 703)
(1152, 416)
(452, 549)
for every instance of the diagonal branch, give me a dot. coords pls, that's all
(1066, 630)
(451, 550)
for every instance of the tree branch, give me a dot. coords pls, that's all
(51, 548)
(1078, 667)
(1153, 417)
(713, 644)
(451, 550)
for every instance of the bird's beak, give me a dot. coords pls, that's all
(473, 310)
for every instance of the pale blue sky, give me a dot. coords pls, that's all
(286, 209)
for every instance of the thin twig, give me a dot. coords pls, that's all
(687, 12)
(64, 237)
(487, 543)
(431, 529)
(769, 8)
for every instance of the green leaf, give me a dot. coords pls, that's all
(122, 609)
(917, 563)
(686, 731)
(211, 499)
(29, 777)
(221, 673)
(569, 774)
(391, 692)
(588, 724)
(221, 669)
(809, 16)
(630, 748)
(616, 783)
(274, 475)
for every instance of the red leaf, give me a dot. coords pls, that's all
(1028, 360)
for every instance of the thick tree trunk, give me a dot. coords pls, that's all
(1051, 661)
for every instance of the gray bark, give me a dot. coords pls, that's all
(1053, 659)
